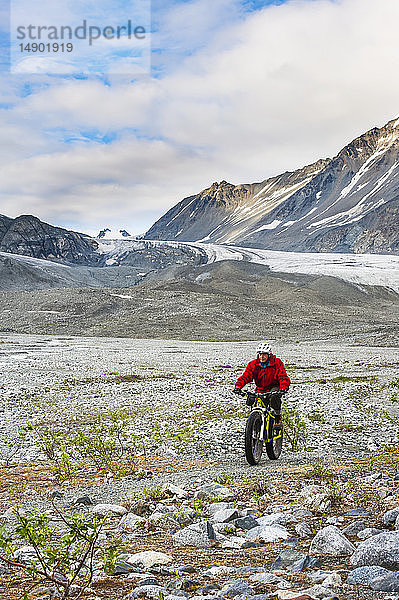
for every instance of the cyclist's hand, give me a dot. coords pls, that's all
(237, 390)
(250, 399)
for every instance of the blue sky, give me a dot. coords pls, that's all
(239, 90)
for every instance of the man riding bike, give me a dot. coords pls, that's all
(269, 374)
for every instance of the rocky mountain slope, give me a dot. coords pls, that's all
(346, 204)
(28, 236)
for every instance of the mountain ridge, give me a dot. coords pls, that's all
(349, 203)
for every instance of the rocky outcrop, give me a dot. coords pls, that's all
(29, 236)
(346, 204)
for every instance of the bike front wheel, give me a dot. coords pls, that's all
(275, 445)
(253, 441)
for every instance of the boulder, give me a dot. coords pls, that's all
(330, 540)
(364, 575)
(225, 515)
(216, 506)
(268, 578)
(317, 498)
(286, 558)
(25, 555)
(246, 523)
(147, 559)
(108, 510)
(148, 591)
(130, 522)
(268, 533)
(199, 535)
(368, 532)
(354, 528)
(386, 583)
(209, 491)
(174, 490)
(279, 518)
(238, 587)
(381, 550)
(303, 530)
(390, 516)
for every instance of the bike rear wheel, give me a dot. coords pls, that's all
(274, 447)
(253, 441)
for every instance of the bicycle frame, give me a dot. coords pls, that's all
(266, 432)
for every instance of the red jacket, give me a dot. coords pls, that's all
(273, 375)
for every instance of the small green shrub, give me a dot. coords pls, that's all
(295, 429)
(64, 558)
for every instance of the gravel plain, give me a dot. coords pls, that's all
(178, 400)
(184, 427)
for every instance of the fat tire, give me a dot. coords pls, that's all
(253, 442)
(273, 448)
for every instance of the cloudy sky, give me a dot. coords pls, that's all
(238, 90)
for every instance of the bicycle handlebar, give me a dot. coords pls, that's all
(265, 396)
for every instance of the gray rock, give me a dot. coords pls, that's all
(320, 591)
(251, 570)
(390, 516)
(217, 506)
(122, 567)
(216, 571)
(308, 562)
(268, 533)
(330, 540)
(147, 591)
(109, 510)
(278, 518)
(209, 491)
(147, 559)
(149, 581)
(85, 500)
(319, 576)
(25, 555)
(175, 490)
(317, 498)
(381, 550)
(265, 578)
(354, 528)
(287, 558)
(303, 530)
(301, 513)
(234, 588)
(130, 522)
(246, 523)
(364, 575)
(197, 534)
(386, 583)
(225, 515)
(368, 532)
(358, 512)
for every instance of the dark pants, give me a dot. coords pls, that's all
(275, 403)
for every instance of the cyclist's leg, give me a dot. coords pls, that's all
(275, 403)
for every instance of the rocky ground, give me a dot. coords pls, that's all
(230, 300)
(148, 433)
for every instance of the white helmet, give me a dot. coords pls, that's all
(263, 347)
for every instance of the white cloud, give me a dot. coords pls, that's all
(272, 91)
